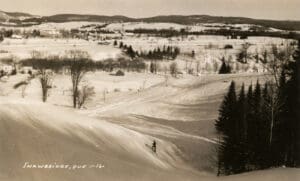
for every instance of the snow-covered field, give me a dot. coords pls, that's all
(209, 50)
(22, 48)
(201, 43)
(176, 109)
(179, 114)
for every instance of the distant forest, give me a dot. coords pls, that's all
(186, 20)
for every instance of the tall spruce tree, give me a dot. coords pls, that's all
(266, 126)
(297, 127)
(289, 120)
(281, 126)
(227, 111)
(257, 127)
(241, 130)
(250, 130)
(242, 113)
(225, 125)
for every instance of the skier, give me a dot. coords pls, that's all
(154, 146)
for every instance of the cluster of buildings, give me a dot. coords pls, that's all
(11, 69)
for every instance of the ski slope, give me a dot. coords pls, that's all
(42, 134)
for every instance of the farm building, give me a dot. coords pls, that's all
(7, 69)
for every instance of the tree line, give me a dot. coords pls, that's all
(166, 53)
(233, 33)
(167, 33)
(259, 128)
(57, 64)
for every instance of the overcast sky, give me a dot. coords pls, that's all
(266, 9)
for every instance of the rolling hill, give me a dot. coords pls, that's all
(15, 16)
(194, 19)
(179, 19)
(19, 18)
(61, 18)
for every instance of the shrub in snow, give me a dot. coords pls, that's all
(228, 46)
(120, 73)
(14, 72)
(117, 90)
(85, 94)
(174, 69)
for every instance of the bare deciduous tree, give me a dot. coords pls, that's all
(44, 73)
(274, 63)
(23, 85)
(198, 67)
(277, 59)
(174, 69)
(85, 95)
(78, 63)
(45, 80)
(243, 55)
(37, 54)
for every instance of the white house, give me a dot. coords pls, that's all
(7, 68)
(16, 36)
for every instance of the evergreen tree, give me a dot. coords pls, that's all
(225, 69)
(121, 44)
(115, 43)
(281, 125)
(150, 55)
(249, 122)
(266, 126)
(289, 122)
(152, 67)
(159, 53)
(169, 50)
(242, 114)
(297, 87)
(225, 125)
(295, 76)
(176, 52)
(241, 131)
(257, 128)
(227, 110)
(130, 52)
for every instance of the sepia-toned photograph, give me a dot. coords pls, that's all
(149, 90)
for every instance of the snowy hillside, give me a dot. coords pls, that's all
(6, 16)
(31, 133)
